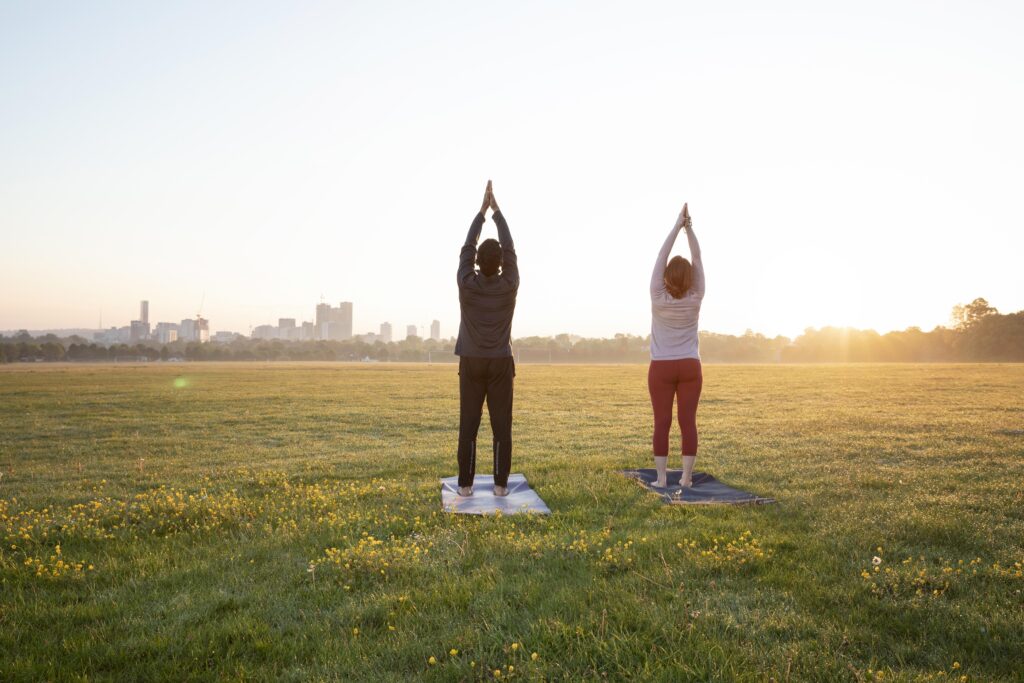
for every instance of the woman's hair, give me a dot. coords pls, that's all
(488, 256)
(678, 277)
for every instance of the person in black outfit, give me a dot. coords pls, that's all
(487, 299)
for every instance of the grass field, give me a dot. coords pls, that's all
(282, 522)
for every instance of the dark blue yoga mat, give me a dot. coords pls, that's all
(706, 490)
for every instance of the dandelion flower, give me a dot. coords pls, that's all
(355, 631)
(534, 656)
(497, 673)
(453, 652)
(515, 646)
(432, 661)
(956, 665)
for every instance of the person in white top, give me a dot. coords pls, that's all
(677, 290)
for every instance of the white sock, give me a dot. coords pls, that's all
(661, 464)
(688, 461)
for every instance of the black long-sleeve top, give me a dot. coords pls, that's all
(487, 302)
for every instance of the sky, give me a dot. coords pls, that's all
(850, 164)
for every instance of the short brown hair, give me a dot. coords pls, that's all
(678, 277)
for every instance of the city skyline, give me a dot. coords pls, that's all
(133, 332)
(331, 323)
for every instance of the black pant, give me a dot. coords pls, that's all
(489, 378)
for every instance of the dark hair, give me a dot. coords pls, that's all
(488, 256)
(678, 277)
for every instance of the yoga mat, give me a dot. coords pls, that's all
(706, 490)
(520, 498)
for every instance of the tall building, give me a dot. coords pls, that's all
(435, 330)
(285, 323)
(202, 330)
(410, 331)
(334, 323)
(323, 316)
(140, 327)
(385, 332)
(187, 330)
(345, 319)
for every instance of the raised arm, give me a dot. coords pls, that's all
(695, 260)
(467, 257)
(509, 263)
(658, 276)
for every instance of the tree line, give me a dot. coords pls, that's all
(978, 332)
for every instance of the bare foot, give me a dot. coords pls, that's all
(687, 483)
(661, 483)
(501, 491)
(465, 491)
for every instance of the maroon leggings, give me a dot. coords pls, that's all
(680, 379)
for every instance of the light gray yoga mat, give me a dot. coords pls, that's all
(706, 490)
(520, 498)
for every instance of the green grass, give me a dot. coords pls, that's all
(263, 468)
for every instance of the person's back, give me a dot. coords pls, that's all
(674, 319)
(487, 300)
(674, 324)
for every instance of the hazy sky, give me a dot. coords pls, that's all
(845, 163)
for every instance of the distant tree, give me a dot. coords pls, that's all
(165, 353)
(965, 316)
(52, 351)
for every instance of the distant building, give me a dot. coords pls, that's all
(144, 312)
(202, 330)
(264, 332)
(385, 332)
(225, 337)
(114, 335)
(194, 330)
(435, 330)
(368, 338)
(165, 333)
(285, 323)
(410, 331)
(307, 332)
(334, 323)
(323, 316)
(139, 331)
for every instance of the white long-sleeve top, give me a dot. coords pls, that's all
(674, 321)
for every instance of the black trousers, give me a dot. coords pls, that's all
(491, 379)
